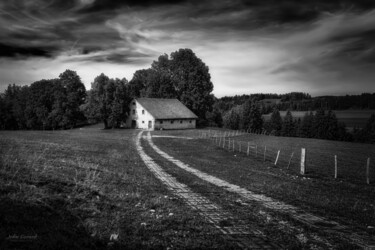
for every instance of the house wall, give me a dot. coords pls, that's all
(142, 118)
(177, 124)
(140, 115)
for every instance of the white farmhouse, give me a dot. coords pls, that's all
(155, 113)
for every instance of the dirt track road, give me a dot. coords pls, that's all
(249, 238)
(244, 236)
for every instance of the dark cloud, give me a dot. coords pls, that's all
(60, 26)
(297, 11)
(51, 28)
(116, 56)
(364, 32)
(21, 52)
(287, 12)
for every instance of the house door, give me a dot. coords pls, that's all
(134, 123)
(149, 124)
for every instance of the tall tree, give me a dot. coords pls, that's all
(245, 116)
(320, 125)
(231, 119)
(332, 126)
(192, 81)
(108, 101)
(100, 98)
(252, 119)
(275, 123)
(119, 106)
(75, 92)
(40, 104)
(59, 117)
(214, 118)
(306, 128)
(370, 129)
(158, 85)
(289, 125)
(10, 99)
(138, 83)
(162, 65)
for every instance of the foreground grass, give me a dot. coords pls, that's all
(88, 189)
(350, 203)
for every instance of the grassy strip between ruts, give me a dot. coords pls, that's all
(88, 189)
(340, 201)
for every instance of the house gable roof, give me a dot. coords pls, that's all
(166, 108)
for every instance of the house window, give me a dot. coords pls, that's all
(161, 122)
(143, 121)
(190, 121)
(143, 111)
(172, 122)
(133, 111)
(180, 121)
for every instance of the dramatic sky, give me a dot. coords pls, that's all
(323, 47)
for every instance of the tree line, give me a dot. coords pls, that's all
(45, 104)
(297, 101)
(322, 124)
(64, 102)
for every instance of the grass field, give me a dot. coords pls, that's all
(75, 189)
(351, 118)
(89, 189)
(320, 154)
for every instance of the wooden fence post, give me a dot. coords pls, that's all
(228, 144)
(335, 166)
(303, 161)
(368, 171)
(265, 150)
(248, 148)
(219, 141)
(233, 145)
(277, 157)
(256, 151)
(239, 146)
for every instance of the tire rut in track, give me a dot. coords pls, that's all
(356, 237)
(214, 214)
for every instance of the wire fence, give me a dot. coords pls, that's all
(327, 159)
